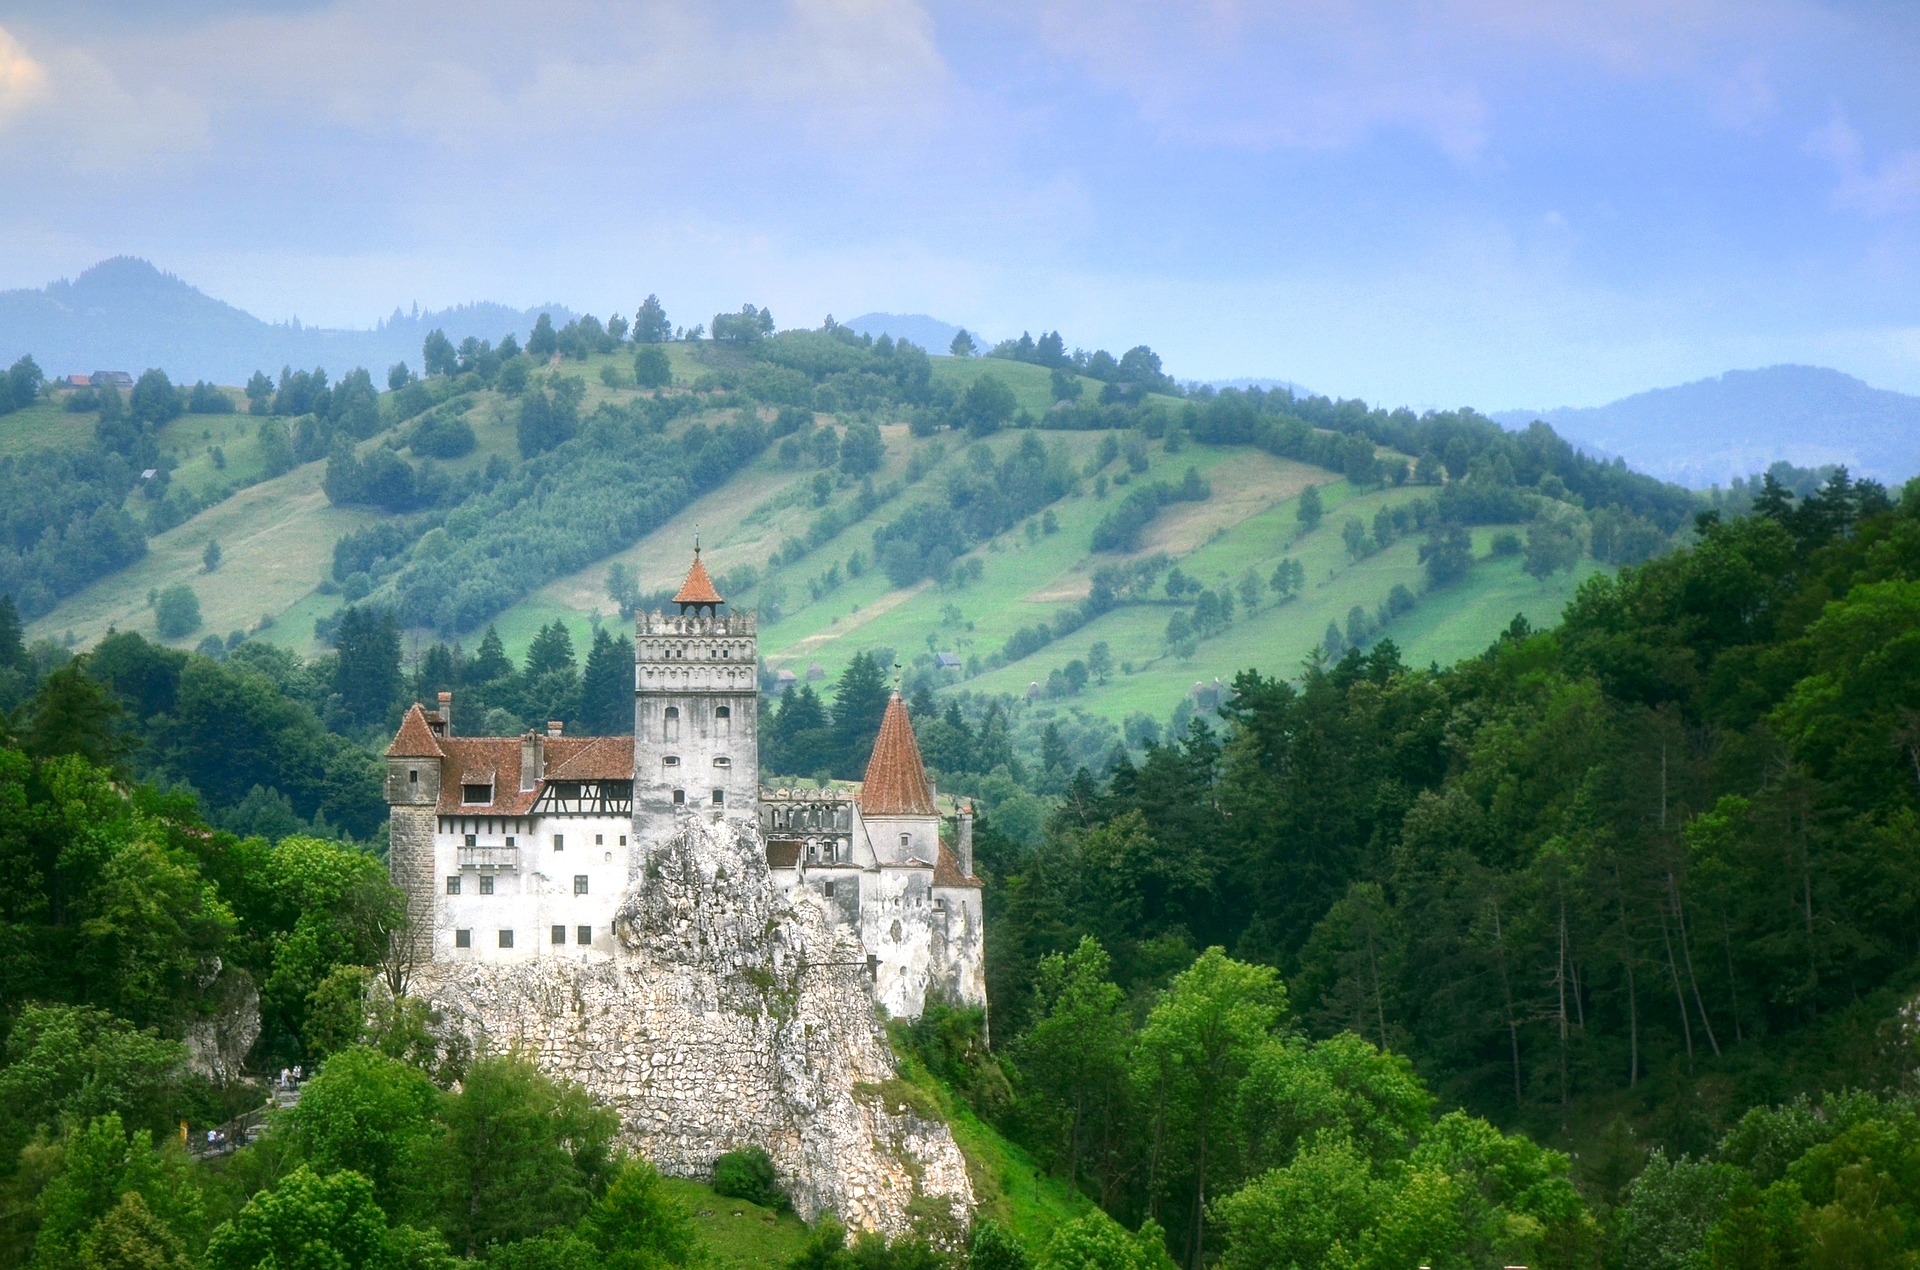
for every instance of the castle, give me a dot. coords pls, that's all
(521, 849)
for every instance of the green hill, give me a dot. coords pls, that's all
(795, 538)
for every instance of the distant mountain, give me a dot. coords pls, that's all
(124, 314)
(929, 333)
(1298, 390)
(1711, 430)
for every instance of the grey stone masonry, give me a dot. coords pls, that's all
(731, 1014)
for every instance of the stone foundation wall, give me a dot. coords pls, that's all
(729, 1016)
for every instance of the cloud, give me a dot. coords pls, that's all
(1886, 189)
(21, 78)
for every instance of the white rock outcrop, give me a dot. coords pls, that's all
(729, 1016)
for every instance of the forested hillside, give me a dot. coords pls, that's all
(1336, 916)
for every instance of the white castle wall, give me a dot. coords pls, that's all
(534, 884)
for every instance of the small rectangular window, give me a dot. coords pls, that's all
(463, 939)
(509, 839)
(679, 797)
(453, 885)
(559, 934)
(473, 840)
(719, 798)
(476, 793)
(506, 939)
(583, 934)
(827, 890)
(623, 839)
(559, 842)
(598, 839)
(413, 776)
(486, 884)
(579, 884)
(906, 839)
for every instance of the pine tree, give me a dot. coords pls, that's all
(13, 648)
(551, 650)
(490, 663)
(367, 674)
(859, 699)
(606, 706)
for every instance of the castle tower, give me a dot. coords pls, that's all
(413, 798)
(896, 799)
(696, 711)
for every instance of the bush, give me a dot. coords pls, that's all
(748, 1174)
(442, 438)
(177, 612)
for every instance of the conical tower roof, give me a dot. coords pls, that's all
(698, 588)
(896, 783)
(415, 739)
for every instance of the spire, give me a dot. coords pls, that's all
(896, 783)
(698, 589)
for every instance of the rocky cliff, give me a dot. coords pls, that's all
(729, 1016)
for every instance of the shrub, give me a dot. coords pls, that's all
(748, 1174)
(177, 612)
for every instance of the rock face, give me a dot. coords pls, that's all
(730, 1016)
(217, 1043)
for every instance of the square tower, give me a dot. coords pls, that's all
(696, 711)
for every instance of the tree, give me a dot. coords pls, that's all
(130, 1237)
(637, 1225)
(551, 650)
(1310, 509)
(23, 382)
(650, 324)
(71, 713)
(398, 376)
(1193, 1049)
(366, 1113)
(651, 369)
(862, 449)
(1448, 554)
(367, 672)
(745, 327)
(1073, 1059)
(154, 400)
(177, 612)
(437, 354)
(606, 687)
(211, 556)
(987, 405)
(310, 1222)
(75, 1064)
(520, 1154)
(859, 699)
(963, 345)
(259, 392)
(544, 342)
(489, 664)
(1100, 661)
(1354, 534)
(547, 420)
(1554, 541)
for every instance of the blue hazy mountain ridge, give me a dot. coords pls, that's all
(124, 314)
(929, 333)
(1735, 424)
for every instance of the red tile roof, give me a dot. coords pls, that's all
(590, 758)
(698, 588)
(414, 739)
(896, 783)
(946, 870)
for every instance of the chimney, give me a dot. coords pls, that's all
(446, 714)
(964, 841)
(555, 726)
(533, 760)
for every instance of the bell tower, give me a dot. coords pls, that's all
(696, 706)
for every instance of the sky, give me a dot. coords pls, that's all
(1498, 203)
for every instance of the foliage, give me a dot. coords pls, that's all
(747, 1173)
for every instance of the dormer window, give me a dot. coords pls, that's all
(476, 795)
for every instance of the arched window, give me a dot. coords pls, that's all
(723, 762)
(671, 760)
(670, 724)
(723, 721)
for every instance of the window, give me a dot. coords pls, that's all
(827, 890)
(598, 839)
(509, 839)
(906, 839)
(486, 884)
(476, 793)
(559, 935)
(413, 776)
(670, 724)
(453, 885)
(679, 797)
(722, 721)
(579, 884)
(583, 934)
(473, 840)
(506, 939)
(719, 798)
(559, 842)
(623, 839)
(463, 939)
(671, 760)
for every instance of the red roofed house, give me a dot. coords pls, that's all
(519, 848)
